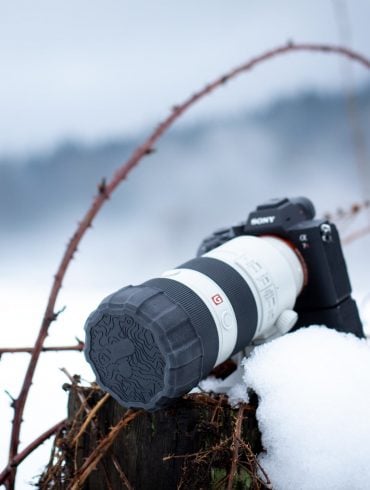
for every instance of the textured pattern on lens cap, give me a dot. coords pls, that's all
(126, 358)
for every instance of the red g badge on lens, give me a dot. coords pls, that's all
(217, 299)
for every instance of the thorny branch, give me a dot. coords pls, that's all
(90, 416)
(121, 474)
(344, 214)
(94, 458)
(356, 235)
(345, 217)
(243, 458)
(235, 446)
(57, 459)
(57, 471)
(31, 447)
(106, 189)
(28, 350)
(91, 413)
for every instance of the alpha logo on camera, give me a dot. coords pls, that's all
(263, 220)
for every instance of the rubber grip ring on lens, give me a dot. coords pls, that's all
(145, 347)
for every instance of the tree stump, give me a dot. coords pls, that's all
(200, 442)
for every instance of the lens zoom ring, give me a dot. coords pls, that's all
(237, 291)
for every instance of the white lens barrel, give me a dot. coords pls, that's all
(271, 269)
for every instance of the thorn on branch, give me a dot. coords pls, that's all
(13, 403)
(80, 343)
(290, 43)
(149, 151)
(57, 313)
(225, 79)
(102, 187)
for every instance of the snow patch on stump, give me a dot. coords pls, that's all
(314, 409)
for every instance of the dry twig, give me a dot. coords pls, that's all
(121, 474)
(348, 216)
(90, 416)
(28, 350)
(94, 458)
(30, 448)
(235, 446)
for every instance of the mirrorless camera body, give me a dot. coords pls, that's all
(326, 296)
(280, 270)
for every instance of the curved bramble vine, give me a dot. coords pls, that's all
(31, 447)
(105, 190)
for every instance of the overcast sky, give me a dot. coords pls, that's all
(89, 69)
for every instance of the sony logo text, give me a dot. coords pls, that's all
(266, 220)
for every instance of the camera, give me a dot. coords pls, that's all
(279, 270)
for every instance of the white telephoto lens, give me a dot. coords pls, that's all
(151, 343)
(275, 275)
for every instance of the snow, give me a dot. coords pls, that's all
(313, 387)
(212, 384)
(238, 394)
(233, 386)
(314, 398)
